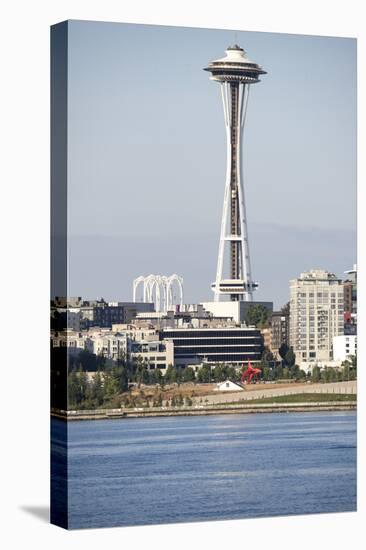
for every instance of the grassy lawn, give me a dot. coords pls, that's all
(299, 398)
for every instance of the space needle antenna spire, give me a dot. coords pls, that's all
(235, 73)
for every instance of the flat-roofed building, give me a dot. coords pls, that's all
(215, 345)
(105, 314)
(154, 354)
(147, 333)
(80, 314)
(280, 329)
(235, 310)
(111, 345)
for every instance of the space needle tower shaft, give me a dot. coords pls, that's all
(235, 73)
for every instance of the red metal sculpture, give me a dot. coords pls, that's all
(249, 373)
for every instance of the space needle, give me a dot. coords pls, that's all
(235, 73)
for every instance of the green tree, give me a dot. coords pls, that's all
(346, 372)
(219, 373)
(290, 358)
(97, 390)
(332, 375)
(156, 377)
(111, 386)
(233, 374)
(188, 375)
(301, 374)
(315, 375)
(79, 391)
(116, 380)
(257, 315)
(141, 373)
(324, 374)
(353, 367)
(278, 372)
(74, 390)
(84, 384)
(178, 375)
(286, 373)
(171, 375)
(283, 350)
(267, 356)
(204, 374)
(266, 373)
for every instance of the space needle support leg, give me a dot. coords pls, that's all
(245, 257)
(225, 99)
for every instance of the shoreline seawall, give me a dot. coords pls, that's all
(110, 414)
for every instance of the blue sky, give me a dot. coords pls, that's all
(147, 157)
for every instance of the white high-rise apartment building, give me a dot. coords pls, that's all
(316, 315)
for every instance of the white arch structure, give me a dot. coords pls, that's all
(159, 289)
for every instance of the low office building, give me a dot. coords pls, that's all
(280, 329)
(157, 318)
(228, 345)
(155, 355)
(104, 314)
(235, 310)
(80, 314)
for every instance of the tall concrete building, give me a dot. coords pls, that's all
(316, 315)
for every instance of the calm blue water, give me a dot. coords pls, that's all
(162, 470)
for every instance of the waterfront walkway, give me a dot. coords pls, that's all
(269, 390)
